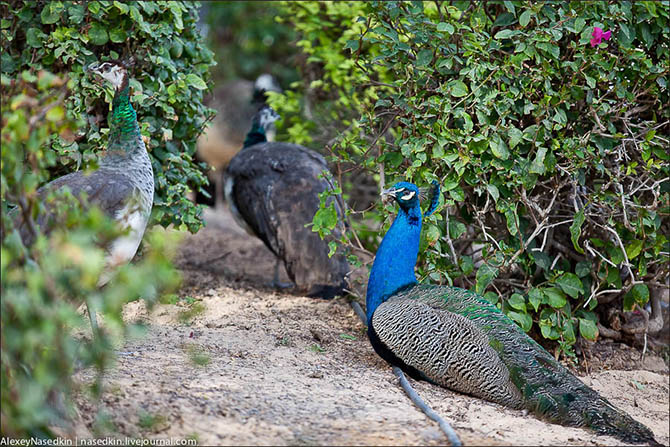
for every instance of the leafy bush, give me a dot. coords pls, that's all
(168, 81)
(251, 42)
(54, 122)
(551, 152)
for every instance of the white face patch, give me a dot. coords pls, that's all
(408, 196)
(112, 72)
(268, 116)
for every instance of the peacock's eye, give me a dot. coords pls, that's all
(408, 196)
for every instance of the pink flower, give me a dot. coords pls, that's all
(598, 36)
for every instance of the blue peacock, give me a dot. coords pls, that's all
(455, 338)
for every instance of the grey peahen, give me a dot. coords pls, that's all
(122, 186)
(455, 338)
(236, 102)
(273, 191)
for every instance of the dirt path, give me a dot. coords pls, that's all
(235, 363)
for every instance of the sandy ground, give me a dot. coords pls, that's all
(234, 362)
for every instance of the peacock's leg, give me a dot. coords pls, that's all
(275, 281)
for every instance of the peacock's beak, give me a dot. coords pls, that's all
(389, 192)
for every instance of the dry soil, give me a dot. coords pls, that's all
(235, 362)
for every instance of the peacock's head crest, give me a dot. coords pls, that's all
(114, 71)
(405, 193)
(265, 117)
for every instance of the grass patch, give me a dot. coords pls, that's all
(317, 348)
(197, 355)
(195, 309)
(150, 421)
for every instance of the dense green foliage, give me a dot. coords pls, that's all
(168, 82)
(42, 285)
(551, 153)
(248, 41)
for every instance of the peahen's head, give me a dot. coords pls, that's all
(265, 117)
(114, 71)
(405, 193)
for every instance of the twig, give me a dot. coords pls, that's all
(414, 397)
(451, 244)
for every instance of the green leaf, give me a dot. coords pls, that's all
(517, 301)
(117, 35)
(50, 13)
(505, 34)
(555, 297)
(576, 230)
(55, 114)
(456, 228)
(512, 220)
(588, 329)
(491, 297)
(466, 264)
(640, 294)
(541, 259)
(94, 7)
(568, 331)
(325, 218)
(493, 190)
(634, 248)
(505, 19)
(583, 268)
(570, 284)
(35, 37)
(457, 88)
(445, 28)
(535, 298)
(98, 34)
(195, 81)
(524, 320)
(77, 13)
(499, 148)
(515, 137)
(351, 45)
(590, 81)
(524, 18)
(485, 275)
(457, 194)
(121, 7)
(537, 166)
(432, 233)
(424, 57)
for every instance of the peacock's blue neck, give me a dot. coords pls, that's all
(395, 260)
(256, 135)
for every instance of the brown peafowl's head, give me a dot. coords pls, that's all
(114, 71)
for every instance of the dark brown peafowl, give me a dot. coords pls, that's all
(273, 191)
(236, 102)
(122, 186)
(455, 338)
